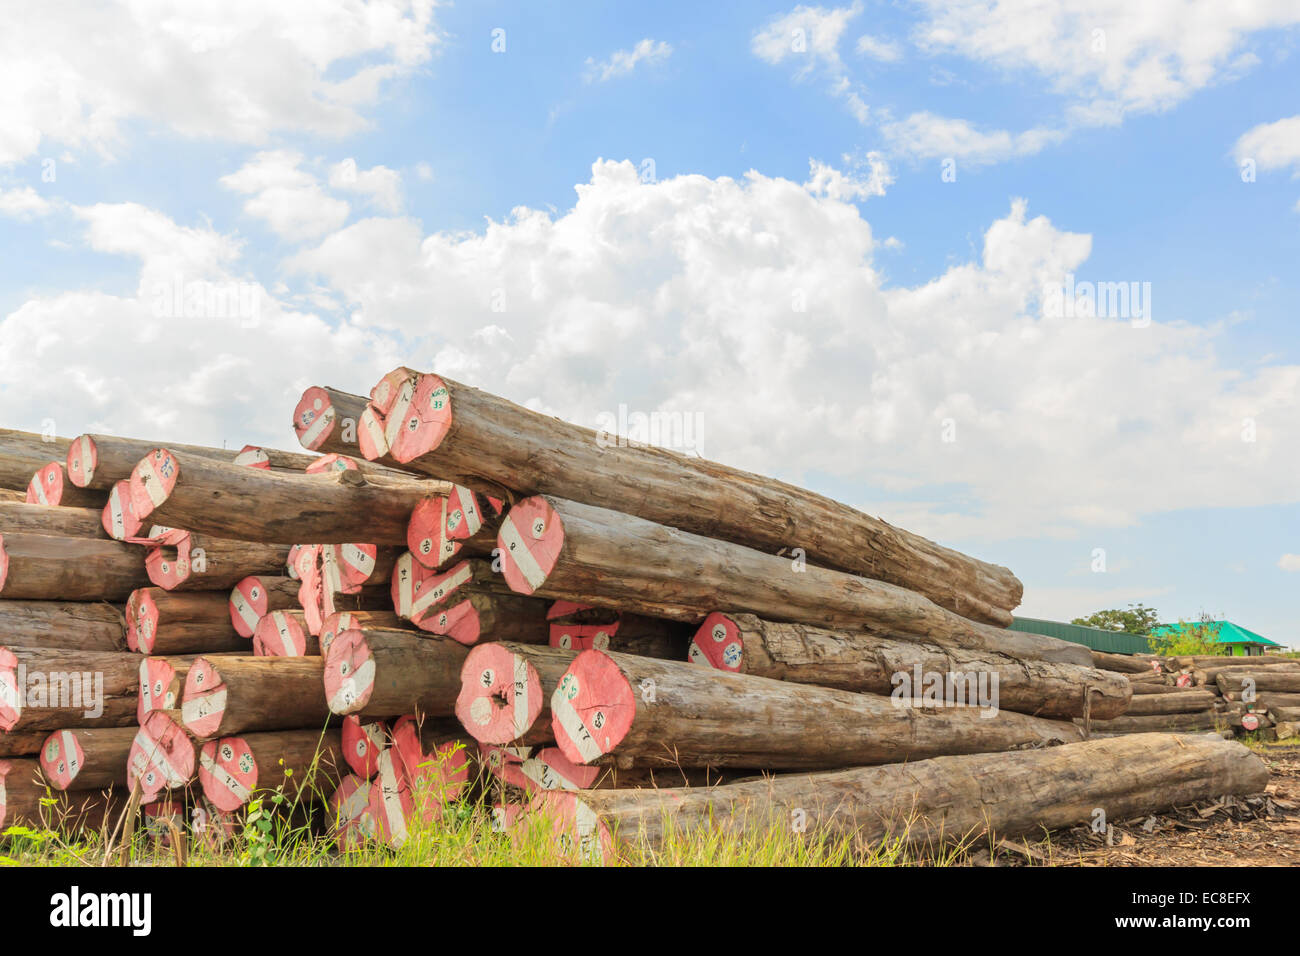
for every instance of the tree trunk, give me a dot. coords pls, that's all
(21, 453)
(627, 634)
(559, 549)
(24, 801)
(51, 689)
(50, 487)
(20, 517)
(444, 527)
(932, 803)
(463, 434)
(879, 664)
(250, 504)
(1273, 679)
(1123, 663)
(52, 568)
(1187, 702)
(87, 758)
(1203, 720)
(665, 712)
(161, 756)
(1143, 688)
(67, 624)
(386, 673)
(341, 621)
(231, 695)
(258, 595)
(303, 762)
(416, 776)
(98, 462)
(327, 421)
(178, 622)
(184, 561)
(505, 692)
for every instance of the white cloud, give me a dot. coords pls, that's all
(622, 62)
(1271, 145)
(810, 38)
(24, 203)
(927, 136)
(72, 74)
(1289, 562)
(288, 198)
(825, 180)
(887, 51)
(382, 185)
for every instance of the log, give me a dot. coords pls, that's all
(1224, 660)
(1123, 663)
(9, 495)
(162, 683)
(1270, 679)
(928, 804)
(464, 434)
(178, 622)
(363, 742)
(1269, 699)
(1204, 720)
(559, 549)
(55, 568)
(232, 695)
(49, 689)
(627, 633)
(161, 756)
(1142, 688)
(319, 604)
(37, 519)
(537, 769)
(50, 487)
(258, 595)
(284, 634)
(21, 453)
(87, 758)
(68, 624)
(505, 691)
(445, 527)
(420, 595)
(1187, 702)
(326, 420)
(180, 560)
(22, 743)
(881, 664)
(417, 775)
(337, 623)
(99, 462)
(250, 504)
(384, 673)
(24, 800)
(350, 819)
(675, 713)
(475, 615)
(301, 762)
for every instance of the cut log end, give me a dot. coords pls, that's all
(161, 758)
(592, 707)
(718, 643)
(327, 464)
(62, 758)
(83, 459)
(159, 687)
(119, 518)
(350, 808)
(152, 481)
(203, 706)
(227, 772)
(314, 418)
(415, 410)
(279, 634)
(501, 695)
(579, 832)
(440, 523)
(531, 539)
(349, 673)
(363, 742)
(46, 486)
(249, 603)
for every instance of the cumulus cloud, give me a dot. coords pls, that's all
(927, 136)
(623, 62)
(286, 197)
(864, 178)
(1289, 562)
(381, 185)
(73, 74)
(23, 203)
(1271, 145)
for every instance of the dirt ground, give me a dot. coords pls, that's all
(1258, 831)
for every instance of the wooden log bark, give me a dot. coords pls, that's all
(67, 624)
(882, 664)
(250, 504)
(22, 743)
(506, 689)
(1122, 663)
(57, 568)
(21, 517)
(87, 758)
(54, 688)
(50, 487)
(1144, 688)
(21, 453)
(341, 621)
(560, 549)
(464, 434)
(180, 560)
(98, 462)
(458, 525)
(671, 713)
(1270, 679)
(937, 802)
(385, 673)
(231, 695)
(25, 801)
(1187, 702)
(179, 622)
(258, 595)
(1203, 720)
(303, 763)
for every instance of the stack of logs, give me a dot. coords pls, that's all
(1257, 695)
(455, 596)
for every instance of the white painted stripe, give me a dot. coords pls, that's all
(563, 713)
(87, 467)
(154, 487)
(358, 559)
(312, 436)
(224, 776)
(588, 828)
(38, 486)
(444, 544)
(70, 754)
(286, 640)
(518, 552)
(375, 432)
(392, 800)
(405, 572)
(521, 696)
(146, 686)
(243, 609)
(196, 708)
(396, 420)
(473, 521)
(361, 679)
(444, 588)
(115, 514)
(151, 752)
(330, 570)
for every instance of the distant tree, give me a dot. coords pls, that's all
(1192, 639)
(1136, 619)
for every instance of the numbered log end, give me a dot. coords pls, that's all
(159, 687)
(168, 561)
(460, 622)
(717, 644)
(161, 758)
(440, 523)
(592, 707)
(11, 695)
(531, 539)
(314, 418)
(279, 634)
(62, 758)
(227, 772)
(46, 486)
(582, 637)
(535, 772)
(249, 603)
(141, 621)
(363, 742)
(331, 463)
(352, 822)
(203, 703)
(251, 456)
(500, 697)
(415, 409)
(119, 516)
(83, 459)
(349, 673)
(151, 483)
(579, 833)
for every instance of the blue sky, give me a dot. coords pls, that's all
(1089, 139)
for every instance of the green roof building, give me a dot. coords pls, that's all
(1243, 642)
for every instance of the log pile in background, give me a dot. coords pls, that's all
(461, 593)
